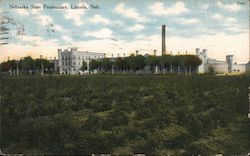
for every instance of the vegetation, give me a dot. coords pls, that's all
(138, 64)
(155, 115)
(147, 64)
(27, 65)
(84, 66)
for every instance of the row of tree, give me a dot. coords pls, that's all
(127, 65)
(146, 64)
(27, 65)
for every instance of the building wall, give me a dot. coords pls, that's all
(214, 61)
(239, 68)
(218, 68)
(70, 61)
(203, 56)
(226, 66)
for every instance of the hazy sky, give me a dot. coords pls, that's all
(123, 26)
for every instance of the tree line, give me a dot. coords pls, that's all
(146, 64)
(134, 64)
(27, 65)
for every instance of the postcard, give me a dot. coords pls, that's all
(124, 77)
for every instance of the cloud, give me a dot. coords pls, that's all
(98, 19)
(67, 39)
(22, 12)
(130, 13)
(217, 16)
(74, 14)
(58, 28)
(223, 18)
(37, 40)
(231, 19)
(103, 33)
(188, 21)
(136, 27)
(229, 7)
(159, 9)
(228, 24)
(205, 6)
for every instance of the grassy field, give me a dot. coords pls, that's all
(155, 115)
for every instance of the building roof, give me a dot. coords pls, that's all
(87, 52)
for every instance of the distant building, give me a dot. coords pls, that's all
(71, 60)
(218, 66)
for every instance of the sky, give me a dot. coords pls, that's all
(124, 26)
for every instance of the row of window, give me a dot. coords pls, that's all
(68, 69)
(83, 57)
(69, 63)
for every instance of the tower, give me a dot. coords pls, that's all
(155, 51)
(205, 55)
(163, 37)
(229, 60)
(60, 60)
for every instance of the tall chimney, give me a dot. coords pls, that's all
(249, 53)
(163, 33)
(155, 51)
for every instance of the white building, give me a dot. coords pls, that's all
(71, 60)
(217, 66)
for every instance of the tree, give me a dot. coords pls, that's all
(94, 64)
(43, 63)
(136, 62)
(27, 64)
(6, 66)
(106, 64)
(191, 62)
(166, 62)
(152, 61)
(84, 66)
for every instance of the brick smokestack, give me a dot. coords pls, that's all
(163, 37)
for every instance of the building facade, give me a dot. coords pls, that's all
(217, 66)
(70, 61)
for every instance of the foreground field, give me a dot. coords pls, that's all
(155, 115)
